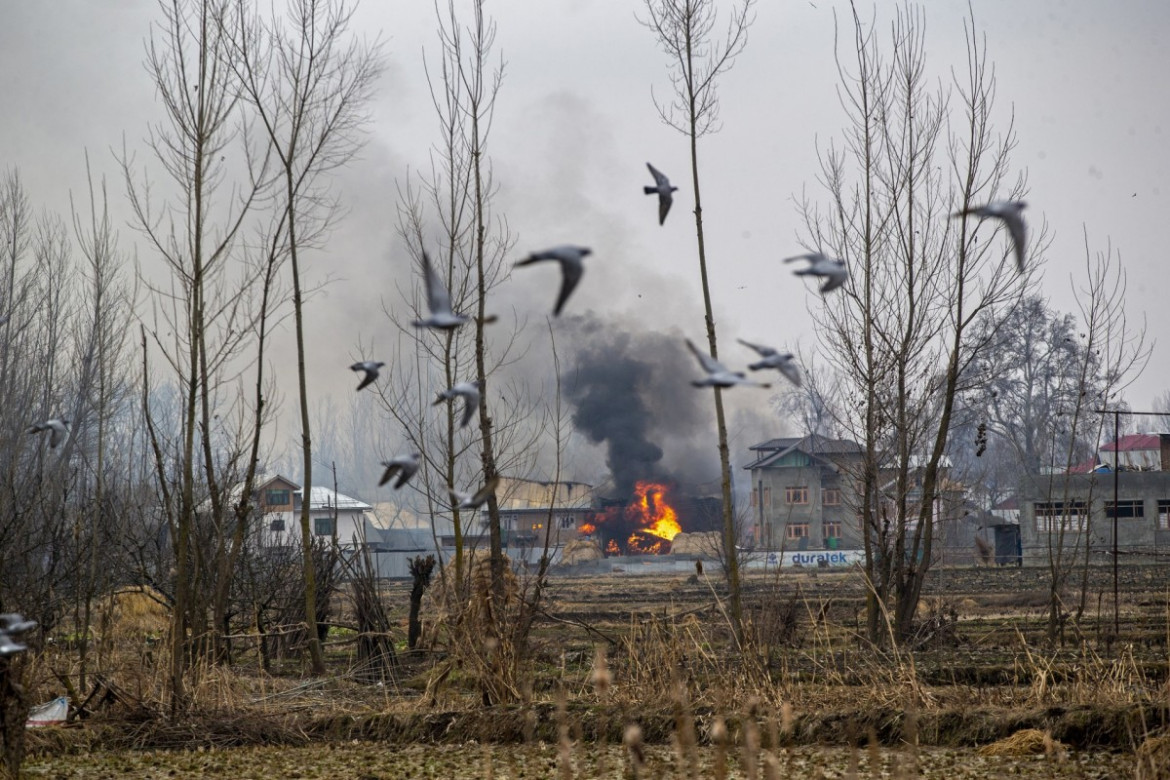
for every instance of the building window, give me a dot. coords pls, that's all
(796, 531)
(831, 497)
(1126, 509)
(277, 526)
(323, 526)
(1164, 514)
(756, 496)
(276, 498)
(568, 522)
(832, 529)
(796, 495)
(1057, 515)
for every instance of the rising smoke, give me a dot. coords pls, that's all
(632, 392)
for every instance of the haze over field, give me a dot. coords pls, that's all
(575, 125)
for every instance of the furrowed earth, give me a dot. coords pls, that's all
(979, 692)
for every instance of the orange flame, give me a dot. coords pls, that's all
(654, 522)
(639, 541)
(658, 517)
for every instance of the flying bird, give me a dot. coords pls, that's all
(59, 428)
(462, 500)
(830, 268)
(403, 465)
(784, 362)
(1011, 213)
(470, 393)
(370, 367)
(13, 623)
(438, 301)
(9, 646)
(717, 373)
(570, 258)
(663, 188)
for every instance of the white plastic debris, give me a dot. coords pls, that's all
(50, 714)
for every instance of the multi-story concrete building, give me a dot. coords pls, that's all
(804, 494)
(1072, 510)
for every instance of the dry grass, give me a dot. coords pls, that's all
(1153, 758)
(686, 703)
(1026, 742)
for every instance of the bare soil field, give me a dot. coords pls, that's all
(811, 697)
(367, 761)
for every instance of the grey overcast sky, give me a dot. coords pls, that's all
(575, 124)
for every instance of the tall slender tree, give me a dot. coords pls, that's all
(309, 83)
(200, 315)
(698, 56)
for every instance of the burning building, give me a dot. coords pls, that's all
(647, 523)
(625, 392)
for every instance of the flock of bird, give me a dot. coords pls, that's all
(571, 259)
(831, 270)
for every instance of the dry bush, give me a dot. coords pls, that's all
(135, 612)
(774, 622)
(1085, 677)
(936, 625)
(656, 655)
(485, 641)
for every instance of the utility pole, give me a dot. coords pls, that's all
(1116, 480)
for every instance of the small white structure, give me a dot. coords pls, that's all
(331, 514)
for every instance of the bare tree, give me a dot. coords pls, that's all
(1031, 379)
(201, 318)
(448, 212)
(900, 335)
(308, 83)
(453, 202)
(685, 30)
(1114, 352)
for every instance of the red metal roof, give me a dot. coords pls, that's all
(1134, 441)
(1085, 467)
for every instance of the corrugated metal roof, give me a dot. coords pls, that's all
(777, 444)
(1134, 441)
(325, 498)
(1084, 467)
(814, 445)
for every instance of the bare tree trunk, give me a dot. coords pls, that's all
(420, 573)
(311, 107)
(684, 29)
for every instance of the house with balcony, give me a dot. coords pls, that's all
(804, 494)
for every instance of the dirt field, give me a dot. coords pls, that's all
(811, 695)
(366, 761)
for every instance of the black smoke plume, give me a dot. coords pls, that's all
(632, 391)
